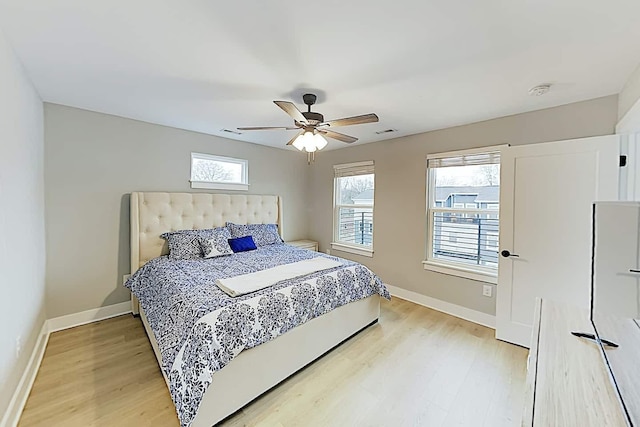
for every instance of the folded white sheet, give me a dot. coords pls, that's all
(251, 282)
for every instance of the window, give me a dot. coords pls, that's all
(353, 208)
(219, 173)
(463, 213)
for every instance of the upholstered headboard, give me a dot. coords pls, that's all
(155, 213)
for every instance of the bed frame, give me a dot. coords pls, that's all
(244, 378)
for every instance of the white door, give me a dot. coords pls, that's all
(546, 197)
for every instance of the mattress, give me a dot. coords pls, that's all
(200, 329)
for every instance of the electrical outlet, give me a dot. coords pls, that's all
(18, 346)
(487, 290)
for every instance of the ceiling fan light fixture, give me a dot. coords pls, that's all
(320, 141)
(306, 142)
(298, 143)
(309, 141)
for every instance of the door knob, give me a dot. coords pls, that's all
(507, 254)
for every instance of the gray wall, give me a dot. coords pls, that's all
(93, 161)
(22, 249)
(400, 199)
(630, 93)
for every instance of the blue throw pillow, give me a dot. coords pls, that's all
(263, 234)
(242, 244)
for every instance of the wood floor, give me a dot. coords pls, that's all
(417, 367)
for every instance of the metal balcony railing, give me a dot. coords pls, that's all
(467, 237)
(356, 226)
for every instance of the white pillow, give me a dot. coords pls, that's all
(213, 250)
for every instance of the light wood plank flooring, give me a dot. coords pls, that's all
(417, 367)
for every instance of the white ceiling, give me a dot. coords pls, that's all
(420, 65)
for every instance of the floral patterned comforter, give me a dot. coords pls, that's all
(200, 329)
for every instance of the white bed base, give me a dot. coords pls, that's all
(244, 378)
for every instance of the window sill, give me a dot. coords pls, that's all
(467, 273)
(352, 249)
(219, 186)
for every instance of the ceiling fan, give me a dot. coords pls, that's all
(312, 126)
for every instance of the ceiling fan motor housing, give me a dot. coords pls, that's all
(309, 99)
(313, 118)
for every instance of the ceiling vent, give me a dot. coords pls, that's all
(380, 132)
(235, 132)
(539, 90)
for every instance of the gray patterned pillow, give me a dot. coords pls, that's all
(183, 244)
(214, 242)
(263, 234)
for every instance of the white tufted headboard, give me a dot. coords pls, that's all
(155, 213)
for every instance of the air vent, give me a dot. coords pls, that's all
(235, 132)
(380, 132)
(539, 90)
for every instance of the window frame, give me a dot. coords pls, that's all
(358, 168)
(221, 185)
(468, 271)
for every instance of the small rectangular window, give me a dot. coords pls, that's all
(354, 188)
(219, 173)
(463, 213)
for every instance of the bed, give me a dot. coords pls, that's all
(243, 377)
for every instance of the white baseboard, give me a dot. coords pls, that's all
(89, 316)
(19, 398)
(465, 313)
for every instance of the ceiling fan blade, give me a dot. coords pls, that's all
(355, 120)
(339, 136)
(294, 138)
(267, 128)
(291, 109)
